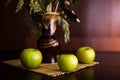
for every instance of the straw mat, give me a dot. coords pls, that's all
(48, 69)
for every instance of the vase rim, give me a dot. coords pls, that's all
(52, 13)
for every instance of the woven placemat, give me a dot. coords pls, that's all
(48, 69)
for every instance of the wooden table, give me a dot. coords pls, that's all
(107, 69)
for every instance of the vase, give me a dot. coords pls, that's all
(47, 42)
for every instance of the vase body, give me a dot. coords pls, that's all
(47, 42)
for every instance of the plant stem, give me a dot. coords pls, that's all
(57, 6)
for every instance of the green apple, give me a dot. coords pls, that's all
(67, 62)
(31, 58)
(85, 54)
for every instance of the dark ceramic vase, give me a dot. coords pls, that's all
(47, 42)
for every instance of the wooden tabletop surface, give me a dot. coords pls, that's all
(107, 69)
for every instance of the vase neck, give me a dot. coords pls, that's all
(49, 23)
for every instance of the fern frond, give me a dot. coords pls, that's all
(65, 26)
(19, 5)
(8, 1)
(37, 6)
(33, 25)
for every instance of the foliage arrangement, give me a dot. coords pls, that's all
(36, 7)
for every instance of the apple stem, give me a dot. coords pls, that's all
(87, 48)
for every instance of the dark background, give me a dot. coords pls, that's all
(99, 27)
